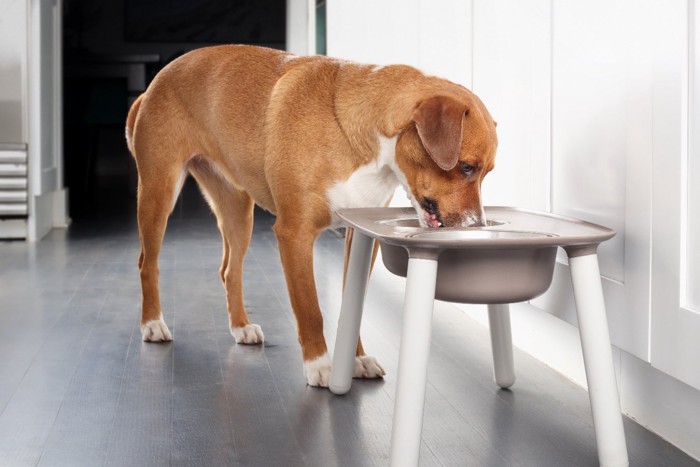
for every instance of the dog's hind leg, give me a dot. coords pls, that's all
(156, 198)
(234, 213)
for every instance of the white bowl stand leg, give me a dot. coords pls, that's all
(501, 345)
(351, 313)
(413, 361)
(597, 358)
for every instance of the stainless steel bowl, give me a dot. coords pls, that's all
(482, 275)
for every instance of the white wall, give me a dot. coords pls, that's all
(431, 35)
(594, 104)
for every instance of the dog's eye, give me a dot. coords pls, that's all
(466, 169)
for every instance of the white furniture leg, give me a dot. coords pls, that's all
(597, 356)
(351, 313)
(413, 361)
(501, 345)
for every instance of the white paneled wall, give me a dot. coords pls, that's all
(434, 36)
(675, 326)
(444, 39)
(598, 113)
(512, 75)
(374, 31)
(589, 66)
(602, 109)
(691, 281)
(570, 86)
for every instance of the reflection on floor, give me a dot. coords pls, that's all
(79, 388)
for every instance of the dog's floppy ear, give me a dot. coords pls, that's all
(439, 120)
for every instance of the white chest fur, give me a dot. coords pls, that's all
(371, 185)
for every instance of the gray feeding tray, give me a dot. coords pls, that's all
(509, 260)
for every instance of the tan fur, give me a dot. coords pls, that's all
(256, 125)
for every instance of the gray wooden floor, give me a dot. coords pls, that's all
(79, 388)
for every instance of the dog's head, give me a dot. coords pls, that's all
(444, 153)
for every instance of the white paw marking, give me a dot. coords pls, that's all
(367, 367)
(155, 331)
(248, 334)
(318, 371)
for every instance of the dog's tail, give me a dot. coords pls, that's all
(130, 123)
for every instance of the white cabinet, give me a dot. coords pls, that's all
(675, 316)
(598, 111)
(591, 100)
(570, 86)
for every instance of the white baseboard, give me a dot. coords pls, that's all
(60, 209)
(661, 403)
(47, 211)
(657, 401)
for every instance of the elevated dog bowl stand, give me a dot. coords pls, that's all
(510, 260)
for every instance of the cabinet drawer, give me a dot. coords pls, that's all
(13, 157)
(13, 170)
(12, 209)
(13, 196)
(7, 183)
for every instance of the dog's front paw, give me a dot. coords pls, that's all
(155, 331)
(318, 371)
(367, 367)
(248, 334)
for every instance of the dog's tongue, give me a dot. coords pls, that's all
(433, 221)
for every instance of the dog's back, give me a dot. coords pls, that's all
(208, 87)
(302, 137)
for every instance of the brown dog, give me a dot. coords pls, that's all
(301, 137)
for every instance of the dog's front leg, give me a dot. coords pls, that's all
(296, 250)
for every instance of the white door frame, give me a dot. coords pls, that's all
(47, 197)
(301, 27)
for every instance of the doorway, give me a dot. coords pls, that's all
(112, 50)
